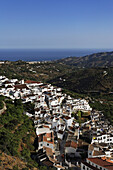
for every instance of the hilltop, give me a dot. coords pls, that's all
(103, 59)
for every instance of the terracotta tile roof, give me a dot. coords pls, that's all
(49, 151)
(90, 166)
(98, 153)
(30, 81)
(48, 135)
(59, 166)
(102, 163)
(108, 160)
(40, 138)
(47, 163)
(46, 126)
(91, 147)
(21, 86)
(81, 143)
(71, 144)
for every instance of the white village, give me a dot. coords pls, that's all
(70, 133)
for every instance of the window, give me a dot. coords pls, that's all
(83, 167)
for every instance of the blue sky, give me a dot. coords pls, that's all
(56, 24)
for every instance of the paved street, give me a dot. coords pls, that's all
(62, 145)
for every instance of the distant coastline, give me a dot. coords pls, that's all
(45, 54)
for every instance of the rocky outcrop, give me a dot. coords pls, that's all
(4, 108)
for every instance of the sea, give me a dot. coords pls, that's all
(45, 54)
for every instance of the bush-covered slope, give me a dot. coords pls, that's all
(37, 71)
(17, 133)
(86, 80)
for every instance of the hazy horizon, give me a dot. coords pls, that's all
(45, 54)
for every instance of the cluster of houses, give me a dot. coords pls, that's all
(100, 150)
(60, 136)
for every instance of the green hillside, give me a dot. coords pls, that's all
(86, 80)
(17, 133)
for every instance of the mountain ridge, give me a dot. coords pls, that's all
(101, 59)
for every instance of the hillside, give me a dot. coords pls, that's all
(86, 80)
(103, 59)
(79, 74)
(17, 135)
(40, 71)
(12, 162)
